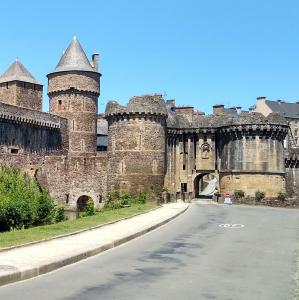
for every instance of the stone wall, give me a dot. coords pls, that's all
(292, 181)
(74, 96)
(28, 131)
(79, 80)
(23, 94)
(27, 136)
(271, 184)
(136, 145)
(252, 159)
(247, 151)
(70, 177)
(80, 110)
(136, 154)
(292, 173)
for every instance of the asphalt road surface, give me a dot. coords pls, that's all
(191, 257)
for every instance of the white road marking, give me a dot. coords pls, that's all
(231, 225)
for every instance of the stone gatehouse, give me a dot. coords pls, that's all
(152, 145)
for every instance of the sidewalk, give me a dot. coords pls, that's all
(29, 261)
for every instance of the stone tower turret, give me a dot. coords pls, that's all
(136, 145)
(73, 89)
(251, 154)
(19, 88)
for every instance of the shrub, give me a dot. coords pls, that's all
(115, 200)
(22, 203)
(125, 199)
(238, 194)
(46, 206)
(112, 200)
(141, 198)
(282, 196)
(58, 214)
(113, 205)
(259, 195)
(89, 209)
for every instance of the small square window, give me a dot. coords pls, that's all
(14, 150)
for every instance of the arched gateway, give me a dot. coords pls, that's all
(205, 185)
(81, 202)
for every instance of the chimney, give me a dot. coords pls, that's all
(218, 109)
(95, 61)
(184, 110)
(238, 109)
(261, 98)
(280, 101)
(170, 104)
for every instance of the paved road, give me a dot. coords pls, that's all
(190, 258)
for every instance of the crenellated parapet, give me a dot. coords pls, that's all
(253, 130)
(142, 116)
(178, 131)
(148, 107)
(292, 158)
(75, 91)
(20, 115)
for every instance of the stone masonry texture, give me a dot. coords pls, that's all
(153, 146)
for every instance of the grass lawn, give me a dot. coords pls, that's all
(18, 237)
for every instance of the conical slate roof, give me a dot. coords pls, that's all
(17, 72)
(74, 59)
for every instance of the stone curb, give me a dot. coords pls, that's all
(75, 232)
(30, 273)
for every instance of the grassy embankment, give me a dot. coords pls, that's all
(18, 237)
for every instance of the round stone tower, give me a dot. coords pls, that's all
(136, 145)
(251, 154)
(73, 90)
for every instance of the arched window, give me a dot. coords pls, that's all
(82, 145)
(154, 167)
(59, 105)
(122, 167)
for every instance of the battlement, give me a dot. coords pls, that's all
(243, 121)
(141, 105)
(292, 157)
(33, 117)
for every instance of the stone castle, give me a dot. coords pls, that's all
(153, 146)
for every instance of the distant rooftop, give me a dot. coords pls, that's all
(287, 109)
(17, 72)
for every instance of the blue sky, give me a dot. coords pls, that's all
(197, 52)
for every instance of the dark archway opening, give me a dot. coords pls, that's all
(81, 202)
